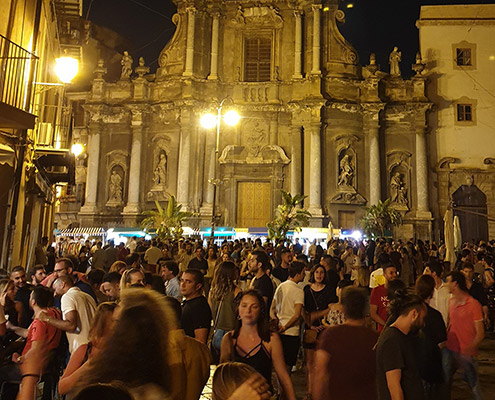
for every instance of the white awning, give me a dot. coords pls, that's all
(7, 155)
(90, 231)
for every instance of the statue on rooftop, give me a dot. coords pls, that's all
(126, 63)
(394, 59)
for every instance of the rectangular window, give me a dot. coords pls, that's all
(257, 61)
(463, 57)
(464, 112)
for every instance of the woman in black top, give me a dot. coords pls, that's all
(317, 297)
(252, 343)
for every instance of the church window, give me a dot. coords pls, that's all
(464, 112)
(257, 60)
(463, 57)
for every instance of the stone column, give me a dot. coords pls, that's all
(93, 167)
(183, 175)
(295, 162)
(375, 177)
(298, 45)
(214, 47)
(421, 170)
(132, 207)
(315, 169)
(191, 24)
(316, 38)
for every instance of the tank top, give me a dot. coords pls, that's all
(258, 358)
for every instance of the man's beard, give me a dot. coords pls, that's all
(416, 327)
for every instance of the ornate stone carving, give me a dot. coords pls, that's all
(398, 190)
(489, 161)
(373, 67)
(115, 189)
(445, 162)
(394, 59)
(160, 178)
(100, 70)
(255, 134)
(419, 66)
(142, 70)
(172, 56)
(262, 15)
(348, 198)
(126, 63)
(399, 178)
(346, 171)
(267, 154)
(116, 172)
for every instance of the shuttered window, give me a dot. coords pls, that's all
(257, 59)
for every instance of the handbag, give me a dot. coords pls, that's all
(215, 356)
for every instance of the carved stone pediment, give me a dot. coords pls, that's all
(346, 141)
(261, 15)
(348, 197)
(267, 154)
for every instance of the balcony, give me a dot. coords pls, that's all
(17, 68)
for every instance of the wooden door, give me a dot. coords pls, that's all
(253, 204)
(347, 219)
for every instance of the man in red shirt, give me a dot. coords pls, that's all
(379, 300)
(465, 333)
(38, 334)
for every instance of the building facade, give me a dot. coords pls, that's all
(314, 121)
(457, 45)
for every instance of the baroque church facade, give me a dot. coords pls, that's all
(314, 121)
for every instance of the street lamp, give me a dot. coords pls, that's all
(209, 121)
(77, 149)
(66, 68)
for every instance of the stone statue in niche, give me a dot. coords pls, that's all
(115, 192)
(394, 59)
(160, 171)
(346, 175)
(398, 190)
(126, 63)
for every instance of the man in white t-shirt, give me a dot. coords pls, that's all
(287, 308)
(78, 309)
(441, 294)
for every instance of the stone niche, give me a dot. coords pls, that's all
(399, 179)
(116, 178)
(347, 171)
(159, 181)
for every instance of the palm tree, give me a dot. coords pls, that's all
(288, 216)
(167, 222)
(379, 217)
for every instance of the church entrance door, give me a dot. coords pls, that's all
(471, 208)
(253, 204)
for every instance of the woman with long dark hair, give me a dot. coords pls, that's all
(221, 299)
(138, 351)
(252, 343)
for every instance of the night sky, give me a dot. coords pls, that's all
(371, 26)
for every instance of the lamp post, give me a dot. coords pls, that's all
(209, 121)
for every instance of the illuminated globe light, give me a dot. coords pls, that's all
(66, 68)
(350, 5)
(77, 149)
(231, 118)
(208, 121)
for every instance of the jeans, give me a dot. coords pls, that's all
(452, 361)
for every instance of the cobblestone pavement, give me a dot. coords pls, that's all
(460, 390)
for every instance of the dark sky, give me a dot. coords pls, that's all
(371, 25)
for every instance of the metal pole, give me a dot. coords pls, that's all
(215, 173)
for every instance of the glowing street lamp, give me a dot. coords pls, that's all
(209, 121)
(66, 68)
(77, 149)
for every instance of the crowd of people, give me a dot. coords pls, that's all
(378, 319)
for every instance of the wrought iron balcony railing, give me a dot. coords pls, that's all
(16, 64)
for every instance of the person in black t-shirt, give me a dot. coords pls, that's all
(281, 272)
(196, 313)
(199, 261)
(397, 372)
(258, 263)
(332, 277)
(475, 289)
